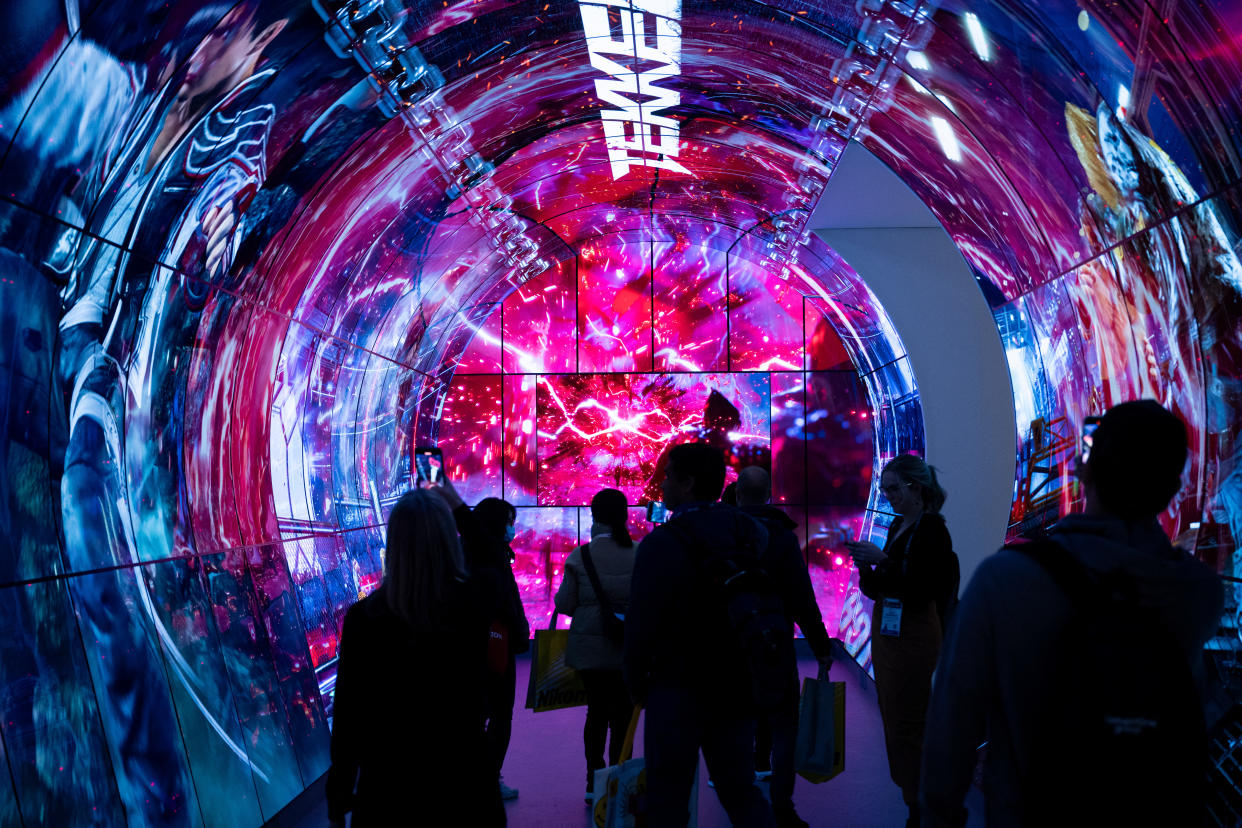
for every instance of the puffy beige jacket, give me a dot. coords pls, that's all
(589, 648)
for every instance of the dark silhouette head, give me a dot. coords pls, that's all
(754, 486)
(494, 516)
(695, 471)
(423, 556)
(609, 508)
(1138, 453)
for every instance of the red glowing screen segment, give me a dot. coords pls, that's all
(615, 430)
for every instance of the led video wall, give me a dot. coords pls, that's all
(253, 252)
(547, 442)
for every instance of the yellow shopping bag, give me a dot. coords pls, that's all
(553, 684)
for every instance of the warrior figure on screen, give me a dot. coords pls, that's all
(721, 418)
(168, 154)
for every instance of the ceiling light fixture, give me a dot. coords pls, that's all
(947, 138)
(978, 37)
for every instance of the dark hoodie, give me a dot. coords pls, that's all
(487, 558)
(674, 637)
(996, 665)
(787, 567)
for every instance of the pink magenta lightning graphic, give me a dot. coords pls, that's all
(615, 421)
(616, 430)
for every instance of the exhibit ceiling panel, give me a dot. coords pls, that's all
(254, 253)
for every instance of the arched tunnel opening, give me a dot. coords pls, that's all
(254, 253)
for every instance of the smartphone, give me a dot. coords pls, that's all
(657, 512)
(1089, 425)
(428, 465)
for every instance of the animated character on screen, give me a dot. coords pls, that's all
(47, 149)
(720, 418)
(170, 158)
(1140, 296)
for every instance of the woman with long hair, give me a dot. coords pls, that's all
(594, 650)
(408, 744)
(911, 580)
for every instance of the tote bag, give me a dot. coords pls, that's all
(621, 789)
(819, 752)
(553, 684)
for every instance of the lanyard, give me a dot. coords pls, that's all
(891, 608)
(905, 552)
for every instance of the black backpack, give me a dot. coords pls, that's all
(745, 599)
(1122, 740)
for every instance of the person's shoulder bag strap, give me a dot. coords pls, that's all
(595, 584)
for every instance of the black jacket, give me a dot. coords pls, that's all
(408, 717)
(1000, 671)
(487, 558)
(673, 637)
(787, 567)
(921, 566)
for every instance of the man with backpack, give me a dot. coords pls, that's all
(699, 618)
(1078, 657)
(784, 562)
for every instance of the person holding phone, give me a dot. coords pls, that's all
(486, 532)
(911, 580)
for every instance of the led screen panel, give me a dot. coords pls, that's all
(237, 291)
(615, 430)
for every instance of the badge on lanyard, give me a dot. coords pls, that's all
(890, 618)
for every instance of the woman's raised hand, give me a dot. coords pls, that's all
(865, 552)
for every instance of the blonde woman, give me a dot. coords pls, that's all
(911, 580)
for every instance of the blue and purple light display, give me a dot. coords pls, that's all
(252, 253)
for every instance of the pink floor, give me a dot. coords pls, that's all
(546, 765)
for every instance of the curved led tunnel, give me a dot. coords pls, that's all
(254, 253)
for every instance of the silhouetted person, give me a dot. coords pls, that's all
(592, 651)
(1012, 673)
(911, 582)
(415, 745)
(680, 659)
(486, 531)
(783, 560)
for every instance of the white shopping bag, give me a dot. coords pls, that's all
(621, 789)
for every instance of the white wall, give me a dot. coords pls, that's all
(892, 241)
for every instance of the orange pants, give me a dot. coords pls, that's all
(903, 672)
